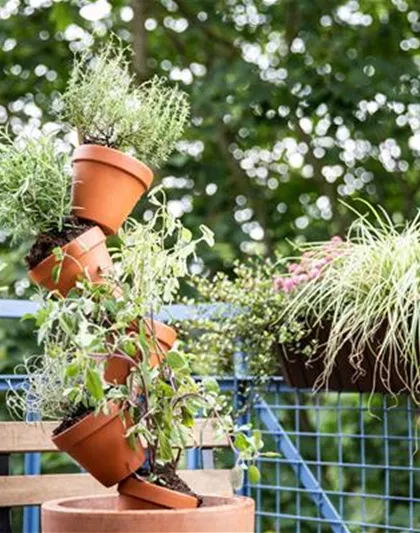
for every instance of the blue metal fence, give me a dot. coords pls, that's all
(349, 462)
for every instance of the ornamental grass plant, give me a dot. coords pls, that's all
(370, 288)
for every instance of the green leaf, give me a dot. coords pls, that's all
(72, 369)
(237, 477)
(254, 475)
(259, 443)
(94, 384)
(175, 360)
(211, 385)
(187, 418)
(270, 454)
(55, 273)
(241, 442)
(186, 235)
(165, 447)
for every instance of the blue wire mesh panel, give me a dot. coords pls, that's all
(349, 463)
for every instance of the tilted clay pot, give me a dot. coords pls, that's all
(107, 184)
(99, 445)
(100, 514)
(138, 494)
(85, 256)
(160, 342)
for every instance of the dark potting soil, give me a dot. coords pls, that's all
(46, 242)
(169, 479)
(80, 412)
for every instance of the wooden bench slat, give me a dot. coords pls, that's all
(34, 490)
(35, 436)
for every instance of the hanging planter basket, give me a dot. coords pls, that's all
(385, 374)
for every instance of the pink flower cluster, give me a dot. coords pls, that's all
(310, 267)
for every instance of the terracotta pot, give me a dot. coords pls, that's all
(107, 184)
(99, 445)
(87, 255)
(140, 494)
(100, 514)
(162, 338)
(117, 369)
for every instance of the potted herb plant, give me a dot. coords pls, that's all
(151, 258)
(35, 202)
(115, 118)
(68, 387)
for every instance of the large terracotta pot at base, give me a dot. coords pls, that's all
(87, 255)
(99, 445)
(161, 341)
(138, 494)
(107, 184)
(100, 514)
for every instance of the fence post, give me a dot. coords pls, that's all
(5, 512)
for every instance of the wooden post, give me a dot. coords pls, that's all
(5, 512)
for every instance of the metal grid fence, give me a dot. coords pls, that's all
(349, 462)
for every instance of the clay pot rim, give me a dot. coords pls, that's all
(150, 492)
(233, 502)
(114, 158)
(93, 237)
(86, 426)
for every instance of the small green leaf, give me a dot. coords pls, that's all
(72, 369)
(165, 447)
(186, 235)
(55, 273)
(187, 418)
(175, 360)
(254, 475)
(211, 385)
(237, 477)
(241, 442)
(94, 384)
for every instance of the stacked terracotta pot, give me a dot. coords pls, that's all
(107, 184)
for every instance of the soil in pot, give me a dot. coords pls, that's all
(78, 414)
(98, 443)
(46, 242)
(85, 255)
(169, 491)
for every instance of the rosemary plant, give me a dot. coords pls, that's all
(34, 185)
(106, 106)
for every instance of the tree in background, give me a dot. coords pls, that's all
(296, 105)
